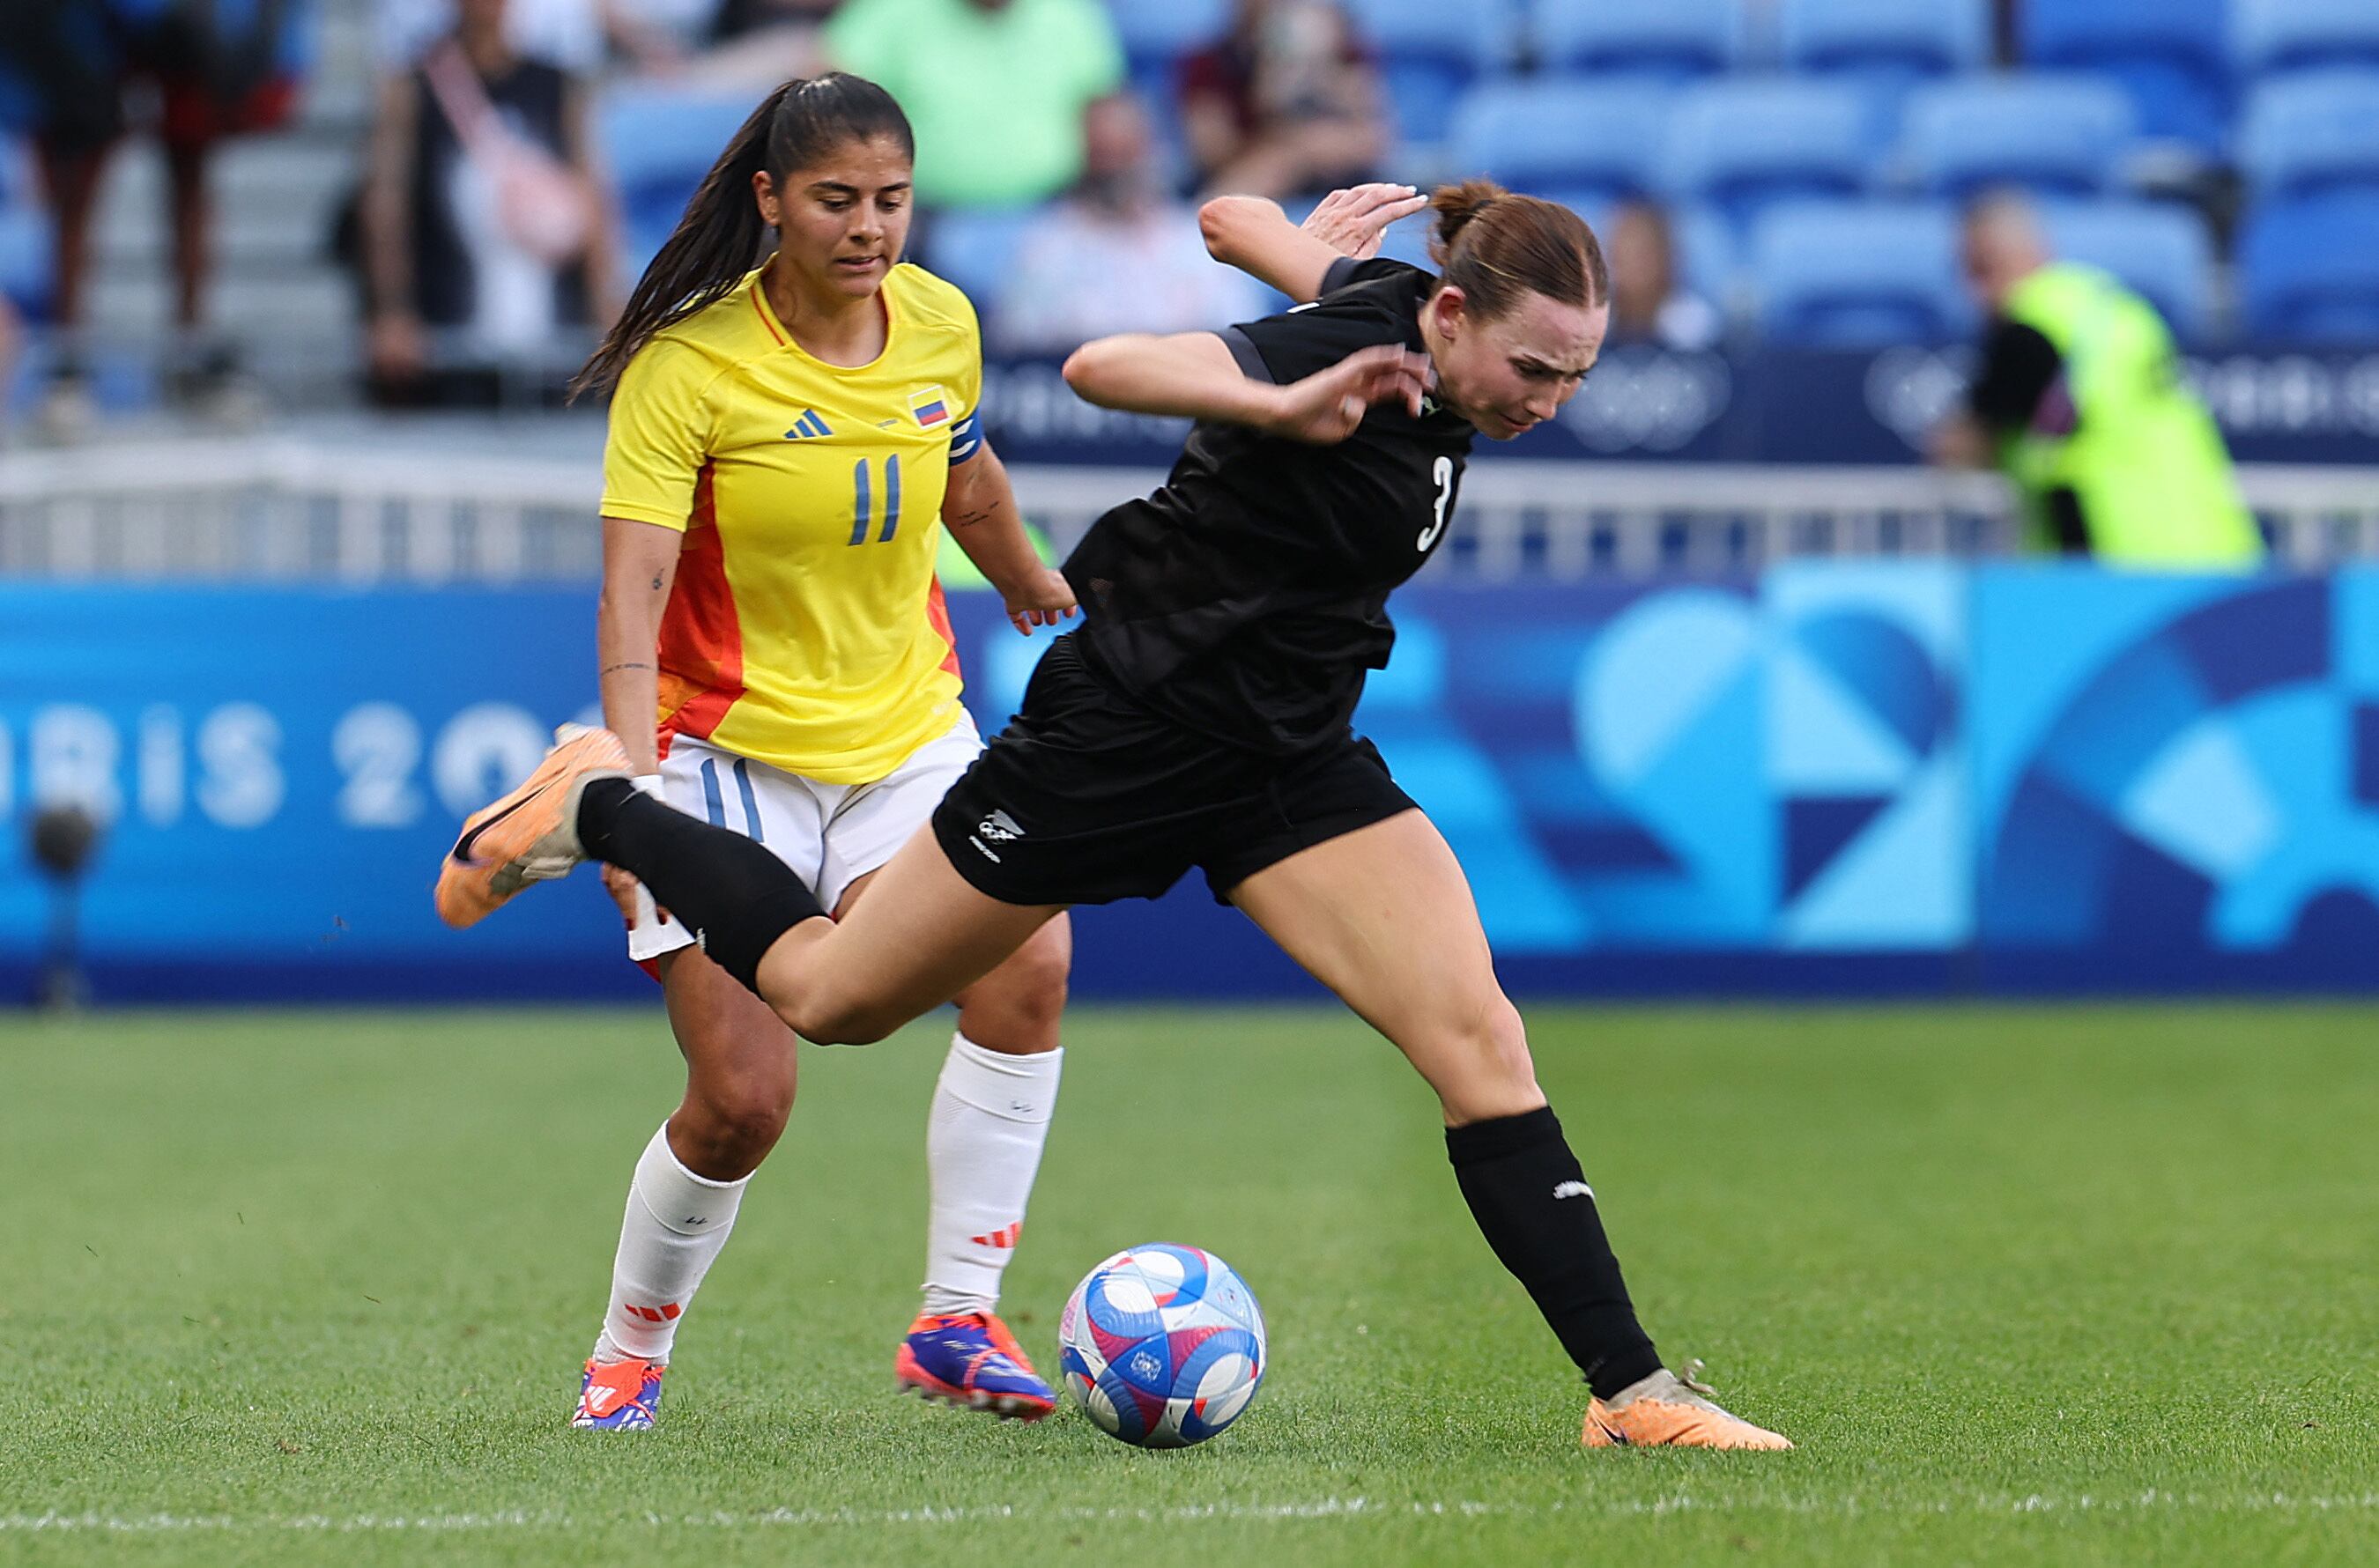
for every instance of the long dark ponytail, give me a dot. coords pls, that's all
(721, 236)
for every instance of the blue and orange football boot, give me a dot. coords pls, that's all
(970, 1361)
(620, 1397)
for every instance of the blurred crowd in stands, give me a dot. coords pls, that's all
(1786, 169)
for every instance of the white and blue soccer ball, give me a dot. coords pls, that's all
(1163, 1345)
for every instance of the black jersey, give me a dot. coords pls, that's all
(1248, 597)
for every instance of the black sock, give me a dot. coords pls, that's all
(1531, 1201)
(732, 894)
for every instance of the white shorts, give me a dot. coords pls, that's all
(830, 834)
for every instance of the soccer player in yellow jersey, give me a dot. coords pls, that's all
(787, 442)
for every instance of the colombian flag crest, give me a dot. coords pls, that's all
(930, 407)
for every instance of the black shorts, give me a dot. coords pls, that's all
(1088, 797)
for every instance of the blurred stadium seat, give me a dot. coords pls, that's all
(1585, 143)
(1673, 42)
(1710, 254)
(1859, 274)
(1431, 54)
(1741, 146)
(2171, 56)
(2273, 36)
(974, 249)
(1155, 37)
(2309, 270)
(2062, 134)
(1883, 47)
(2163, 252)
(658, 143)
(2305, 135)
(25, 257)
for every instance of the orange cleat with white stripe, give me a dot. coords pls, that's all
(531, 835)
(1670, 1410)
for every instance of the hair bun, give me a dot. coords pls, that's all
(1455, 206)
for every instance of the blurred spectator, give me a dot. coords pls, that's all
(708, 43)
(483, 222)
(2080, 402)
(744, 44)
(1287, 102)
(1648, 303)
(220, 70)
(996, 89)
(1115, 255)
(568, 34)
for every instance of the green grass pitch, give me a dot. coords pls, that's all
(2026, 1284)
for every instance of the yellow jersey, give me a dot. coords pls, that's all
(805, 628)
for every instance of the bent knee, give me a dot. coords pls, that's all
(734, 1123)
(1486, 1071)
(1499, 1041)
(1017, 1006)
(831, 1022)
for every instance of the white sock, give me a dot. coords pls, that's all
(675, 1225)
(983, 1146)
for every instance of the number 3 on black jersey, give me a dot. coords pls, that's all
(1441, 472)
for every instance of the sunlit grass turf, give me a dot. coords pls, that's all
(2026, 1285)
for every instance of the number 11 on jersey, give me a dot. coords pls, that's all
(862, 500)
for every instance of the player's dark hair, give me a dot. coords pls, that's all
(1494, 247)
(721, 238)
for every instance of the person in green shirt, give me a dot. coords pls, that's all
(2080, 403)
(996, 89)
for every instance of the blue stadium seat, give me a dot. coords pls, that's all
(2309, 270)
(2171, 56)
(2311, 133)
(1672, 42)
(2163, 251)
(25, 253)
(1883, 47)
(1709, 253)
(2063, 134)
(974, 248)
(1741, 146)
(658, 143)
(1578, 143)
(1431, 54)
(2271, 36)
(1852, 275)
(1155, 36)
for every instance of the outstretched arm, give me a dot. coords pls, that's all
(981, 512)
(1255, 235)
(1194, 374)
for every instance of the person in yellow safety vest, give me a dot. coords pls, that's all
(2079, 401)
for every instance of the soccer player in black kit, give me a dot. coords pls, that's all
(1200, 719)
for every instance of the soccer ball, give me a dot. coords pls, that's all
(1163, 1345)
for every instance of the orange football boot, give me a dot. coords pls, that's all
(1674, 1410)
(531, 835)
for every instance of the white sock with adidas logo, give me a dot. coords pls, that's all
(983, 1148)
(676, 1224)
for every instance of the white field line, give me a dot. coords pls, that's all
(1848, 1505)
